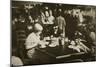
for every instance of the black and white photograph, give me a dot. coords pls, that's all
(52, 33)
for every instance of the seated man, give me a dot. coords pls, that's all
(33, 40)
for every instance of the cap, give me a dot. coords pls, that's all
(38, 27)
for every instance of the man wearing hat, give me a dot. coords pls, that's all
(32, 41)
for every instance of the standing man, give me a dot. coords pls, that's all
(61, 23)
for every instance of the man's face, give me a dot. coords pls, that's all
(39, 32)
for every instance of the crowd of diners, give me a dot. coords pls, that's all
(34, 23)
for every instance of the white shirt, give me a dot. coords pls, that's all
(51, 20)
(32, 40)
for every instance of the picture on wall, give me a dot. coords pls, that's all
(52, 33)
